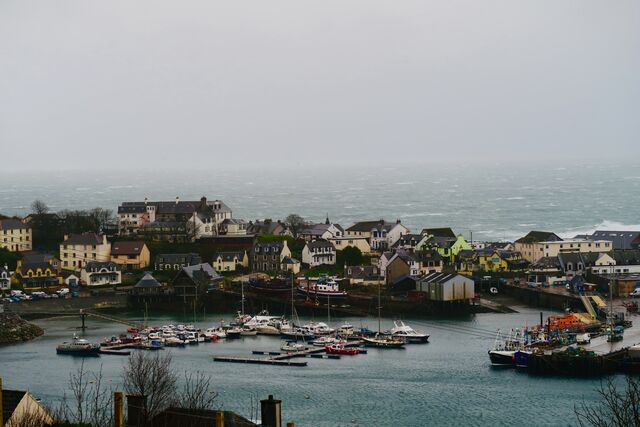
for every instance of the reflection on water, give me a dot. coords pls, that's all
(446, 382)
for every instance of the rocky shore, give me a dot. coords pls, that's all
(14, 329)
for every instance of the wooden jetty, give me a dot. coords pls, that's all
(262, 361)
(283, 358)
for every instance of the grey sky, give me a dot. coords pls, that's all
(117, 83)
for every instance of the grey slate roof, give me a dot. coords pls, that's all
(86, 239)
(98, 265)
(539, 236)
(230, 255)
(620, 239)
(367, 226)
(439, 232)
(319, 244)
(12, 224)
(437, 277)
(148, 281)
(190, 258)
(205, 267)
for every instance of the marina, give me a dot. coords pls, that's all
(455, 359)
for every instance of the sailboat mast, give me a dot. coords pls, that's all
(242, 302)
(379, 307)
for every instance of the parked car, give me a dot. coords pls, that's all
(63, 292)
(493, 290)
(635, 293)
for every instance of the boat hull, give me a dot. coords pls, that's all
(372, 342)
(502, 357)
(522, 359)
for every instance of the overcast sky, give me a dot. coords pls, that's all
(198, 83)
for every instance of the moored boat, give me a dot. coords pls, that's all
(234, 332)
(410, 335)
(383, 341)
(78, 346)
(293, 346)
(340, 348)
(324, 288)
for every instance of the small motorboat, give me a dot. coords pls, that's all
(234, 333)
(346, 330)
(78, 346)
(174, 342)
(248, 331)
(324, 341)
(292, 346)
(339, 348)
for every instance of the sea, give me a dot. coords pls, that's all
(482, 201)
(446, 382)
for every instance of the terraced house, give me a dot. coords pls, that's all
(15, 236)
(267, 257)
(38, 271)
(79, 249)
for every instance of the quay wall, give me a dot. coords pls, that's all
(56, 306)
(540, 298)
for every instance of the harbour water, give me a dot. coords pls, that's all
(447, 382)
(500, 201)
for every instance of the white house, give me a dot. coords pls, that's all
(5, 278)
(101, 273)
(319, 252)
(324, 231)
(381, 235)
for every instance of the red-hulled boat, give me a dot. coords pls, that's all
(341, 349)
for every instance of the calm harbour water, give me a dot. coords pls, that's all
(448, 381)
(494, 202)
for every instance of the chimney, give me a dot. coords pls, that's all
(398, 221)
(136, 410)
(145, 201)
(177, 200)
(270, 412)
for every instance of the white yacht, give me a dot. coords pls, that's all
(410, 335)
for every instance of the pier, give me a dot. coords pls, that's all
(284, 358)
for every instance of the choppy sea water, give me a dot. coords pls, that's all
(447, 382)
(494, 202)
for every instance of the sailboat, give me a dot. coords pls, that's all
(379, 340)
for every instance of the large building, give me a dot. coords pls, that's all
(78, 249)
(537, 244)
(195, 218)
(381, 234)
(15, 236)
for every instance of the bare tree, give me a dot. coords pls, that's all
(91, 400)
(296, 224)
(618, 408)
(197, 392)
(39, 207)
(151, 376)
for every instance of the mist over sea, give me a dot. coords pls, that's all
(494, 202)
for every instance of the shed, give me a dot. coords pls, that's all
(446, 287)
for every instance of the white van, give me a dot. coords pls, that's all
(635, 293)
